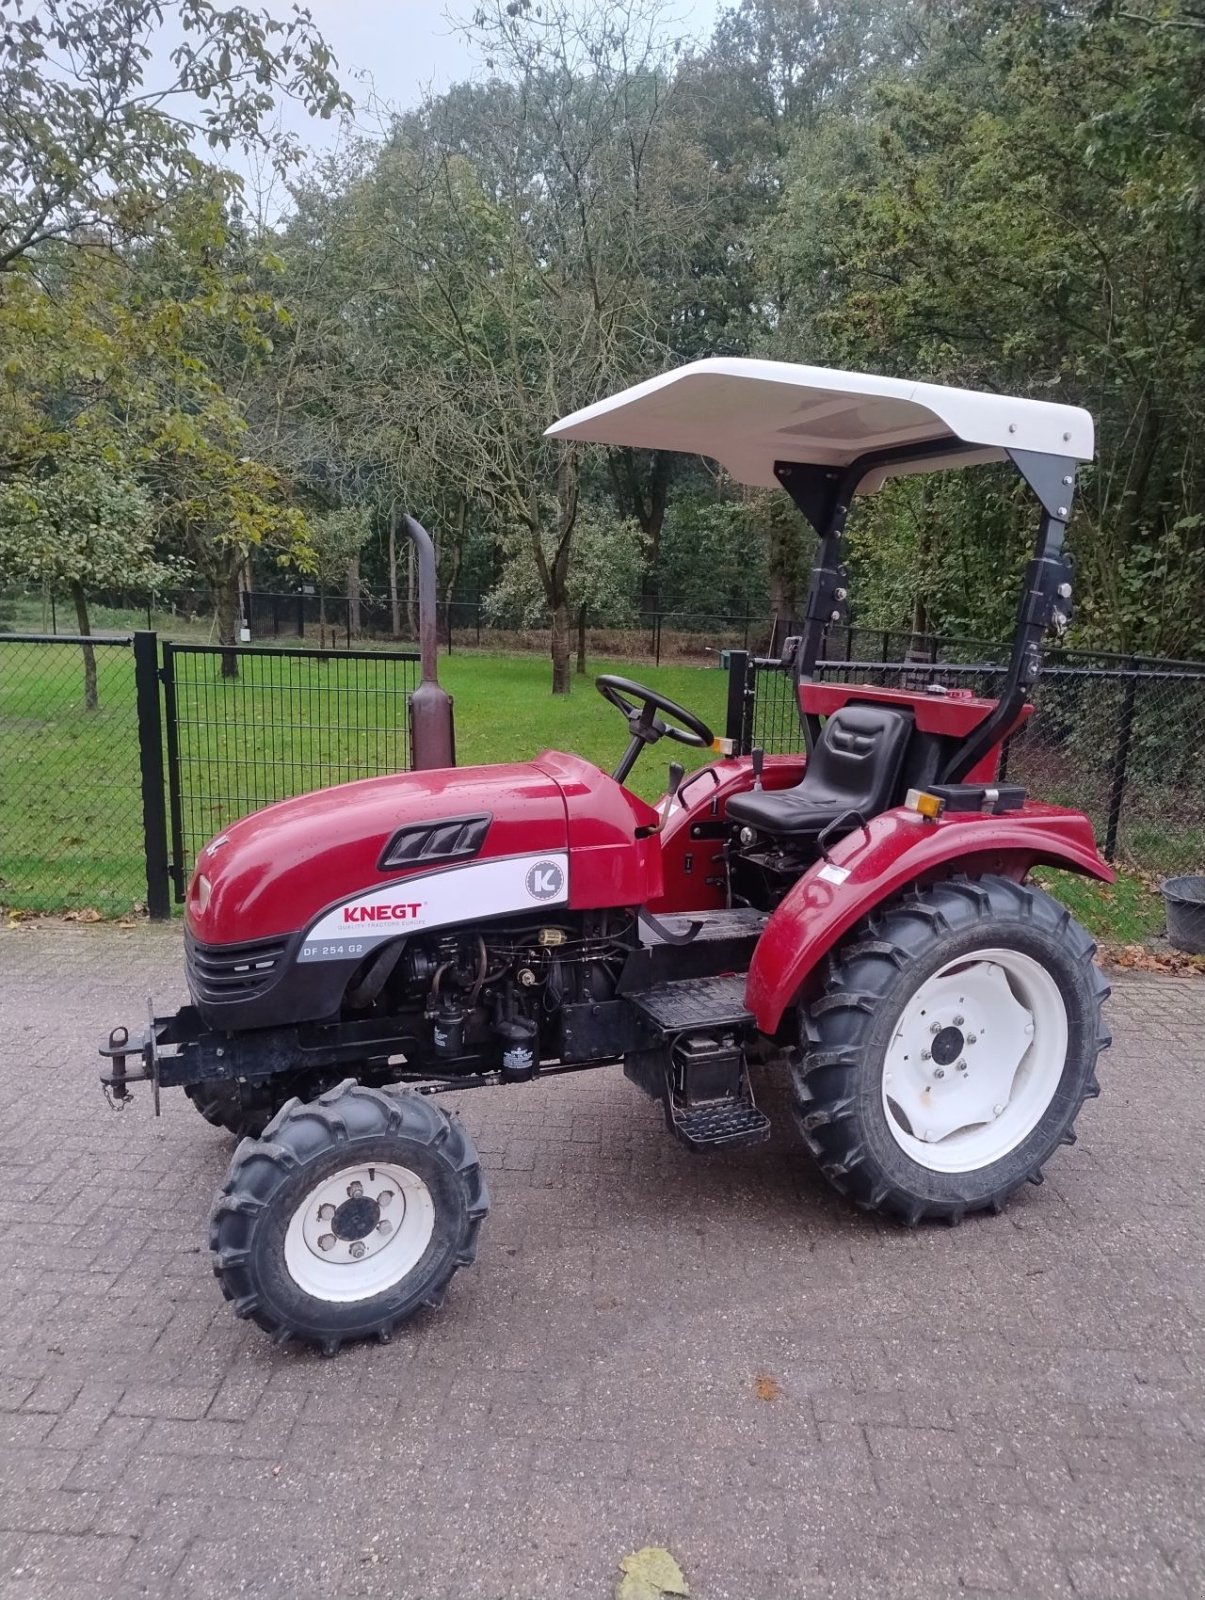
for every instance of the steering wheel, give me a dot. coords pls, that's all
(638, 706)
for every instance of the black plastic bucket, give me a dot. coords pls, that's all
(1184, 899)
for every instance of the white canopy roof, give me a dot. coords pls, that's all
(749, 414)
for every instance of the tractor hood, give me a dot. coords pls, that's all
(340, 853)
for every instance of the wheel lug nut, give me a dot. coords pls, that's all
(926, 1055)
(355, 1190)
(997, 1110)
(935, 1027)
(326, 1242)
(325, 1213)
(356, 1250)
(972, 1038)
(384, 1227)
(962, 1066)
(958, 1021)
(385, 1196)
(940, 1072)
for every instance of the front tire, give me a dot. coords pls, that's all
(349, 1215)
(951, 1049)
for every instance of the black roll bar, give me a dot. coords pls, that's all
(824, 494)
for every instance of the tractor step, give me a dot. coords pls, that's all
(674, 1008)
(720, 1125)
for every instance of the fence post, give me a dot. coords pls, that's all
(1121, 755)
(738, 685)
(174, 802)
(150, 762)
(478, 622)
(300, 615)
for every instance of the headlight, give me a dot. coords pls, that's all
(204, 890)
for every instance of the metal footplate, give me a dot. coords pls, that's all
(719, 1124)
(702, 1025)
(673, 1008)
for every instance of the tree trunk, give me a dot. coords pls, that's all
(560, 648)
(322, 616)
(395, 609)
(91, 698)
(226, 597)
(581, 640)
(353, 597)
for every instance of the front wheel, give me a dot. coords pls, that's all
(349, 1215)
(951, 1048)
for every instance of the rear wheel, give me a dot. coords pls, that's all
(348, 1216)
(951, 1049)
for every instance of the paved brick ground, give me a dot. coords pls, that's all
(1013, 1407)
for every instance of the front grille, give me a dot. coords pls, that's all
(231, 971)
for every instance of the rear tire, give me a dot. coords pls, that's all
(348, 1216)
(951, 1049)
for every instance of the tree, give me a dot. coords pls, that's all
(337, 538)
(1026, 214)
(92, 153)
(81, 527)
(516, 226)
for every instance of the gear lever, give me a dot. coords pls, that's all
(758, 757)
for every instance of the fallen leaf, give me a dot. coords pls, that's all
(650, 1573)
(1144, 958)
(767, 1388)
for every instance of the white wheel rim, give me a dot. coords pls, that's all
(976, 1059)
(359, 1232)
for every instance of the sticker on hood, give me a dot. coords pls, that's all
(442, 899)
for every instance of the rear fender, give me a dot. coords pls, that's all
(899, 848)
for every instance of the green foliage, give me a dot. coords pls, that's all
(1023, 211)
(609, 558)
(82, 523)
(91, 149)
(996, 194)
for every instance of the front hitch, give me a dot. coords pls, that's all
(116, 1078)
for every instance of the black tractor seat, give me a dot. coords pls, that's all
(855, 767)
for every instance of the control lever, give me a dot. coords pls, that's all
(758, 757)
(676, 773)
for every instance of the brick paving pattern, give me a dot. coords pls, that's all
(1008, 1408)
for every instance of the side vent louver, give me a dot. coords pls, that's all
(428, 844)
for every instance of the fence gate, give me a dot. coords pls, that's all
(246, 726)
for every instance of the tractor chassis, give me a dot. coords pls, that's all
(683, 1043)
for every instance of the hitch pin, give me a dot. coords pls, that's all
(117, 1087)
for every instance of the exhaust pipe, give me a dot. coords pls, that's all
(432, 741)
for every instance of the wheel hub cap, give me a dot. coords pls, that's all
(359, 1231)
(356, 1218)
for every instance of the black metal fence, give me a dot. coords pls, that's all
(115, 768)
(74, 789)
(1124, 743)
(337, 621)
(119, 757)
(287, 721)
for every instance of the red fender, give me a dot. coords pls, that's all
(899, 848)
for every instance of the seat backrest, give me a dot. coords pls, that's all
(856, 763)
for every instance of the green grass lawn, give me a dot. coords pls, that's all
(70, 806)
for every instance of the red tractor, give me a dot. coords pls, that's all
(862, 913)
